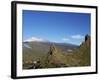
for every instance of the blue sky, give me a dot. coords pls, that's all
(63, 27)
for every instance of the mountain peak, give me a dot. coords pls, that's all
(87, 41)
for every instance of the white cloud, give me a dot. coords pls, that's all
(77, 36)
(35, 39)
(65, 39)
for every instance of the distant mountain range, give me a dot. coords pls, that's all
(39, 45)
(43, 46)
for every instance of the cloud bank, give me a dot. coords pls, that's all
(65, 39)
(35, 39)
(77, 36)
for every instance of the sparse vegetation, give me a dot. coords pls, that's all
(48, 55)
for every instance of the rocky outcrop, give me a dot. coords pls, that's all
(87, 41)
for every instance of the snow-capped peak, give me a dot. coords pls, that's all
(35, 39)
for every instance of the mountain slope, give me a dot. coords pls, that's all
(33, 51)
(83, 52)
(53, 55)
(79, 56)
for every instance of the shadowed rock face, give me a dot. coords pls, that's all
(87, 41)
(52, 49)
(87, 37)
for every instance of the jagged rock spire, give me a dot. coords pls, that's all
(52, 49)
(87, 37)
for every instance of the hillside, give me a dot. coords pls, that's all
(83, 52)
(53, 55)
(34, 51)
(79, 56)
